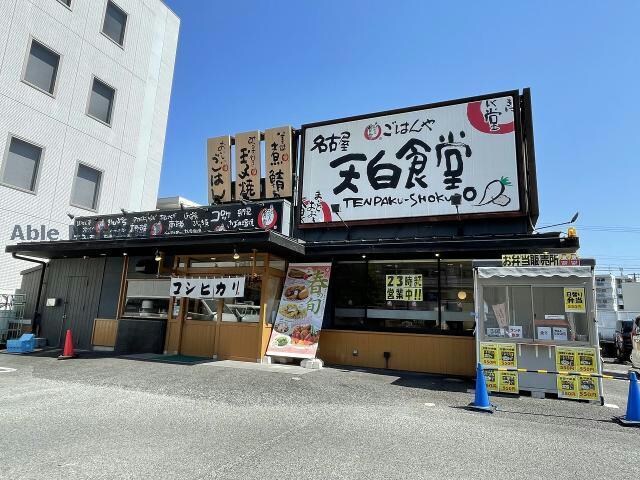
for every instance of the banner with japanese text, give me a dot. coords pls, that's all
(248, 166)
(278, 147)
(219, 169)
(228, 287)
(297, 326)
(455, 159)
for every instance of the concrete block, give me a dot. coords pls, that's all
(312, 363)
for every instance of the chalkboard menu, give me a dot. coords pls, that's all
(273, 215)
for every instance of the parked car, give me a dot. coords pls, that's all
(635, 339)
(622, 339)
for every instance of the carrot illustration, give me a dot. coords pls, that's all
(494, 193)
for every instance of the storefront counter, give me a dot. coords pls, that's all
(442, 354)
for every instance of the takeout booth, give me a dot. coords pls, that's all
(540, 319)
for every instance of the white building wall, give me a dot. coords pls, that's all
(129, 152)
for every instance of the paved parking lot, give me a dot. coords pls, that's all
(118, 418)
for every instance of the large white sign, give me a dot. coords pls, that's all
(207, 287)
(417, 163)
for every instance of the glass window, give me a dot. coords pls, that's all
(20, 168)
(201, 309)
(457, 296)
(86, 187)
(138, 307)
(496, 316)
(42, 67)
(245, 308)
(551, 320)
(101, 101)
(403, 295)
(349, 294)
(115, 22)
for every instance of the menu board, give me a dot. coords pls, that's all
(500, 355)
(296, 330)
(577, 360)
(574, 300)
(190, 221)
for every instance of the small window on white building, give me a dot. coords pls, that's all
(42, 67)
(101, 101)
(20, 166)
(115, 23)
(86, 187)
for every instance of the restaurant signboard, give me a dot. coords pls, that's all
(248, 168)
(459, 158)
(190, 221)
(219, 169)
(296, 329)
(225, 287)
(278, 147)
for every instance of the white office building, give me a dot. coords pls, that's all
(84, 98)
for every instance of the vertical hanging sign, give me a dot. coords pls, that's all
(248, 165)
(219, 169)
(278, 148)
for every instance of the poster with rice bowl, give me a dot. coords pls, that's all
(296, 330)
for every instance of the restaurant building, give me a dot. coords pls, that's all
(381, 215)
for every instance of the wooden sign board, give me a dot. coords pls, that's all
(219, 169)
(278, 148)
(248, 165)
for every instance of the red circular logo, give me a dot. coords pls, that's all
(267, 218)
(372, 131)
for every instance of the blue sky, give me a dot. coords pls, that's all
(245, 65)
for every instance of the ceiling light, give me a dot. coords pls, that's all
(236, 256)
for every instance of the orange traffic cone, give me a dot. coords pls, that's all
(68, 347)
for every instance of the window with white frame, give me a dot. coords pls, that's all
(86, 187)
(21, 163)
(101, 100)
(42, 67)
(115, 23)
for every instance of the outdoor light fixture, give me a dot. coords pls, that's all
(124, 254)
(124, 212)
(462, 295)
(71, 216)
(181, 206)
(335, 208)
(236, 256)
(158, 256)
(364, 256)
(573, 220)
(437, 255)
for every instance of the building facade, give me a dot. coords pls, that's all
(84, 98)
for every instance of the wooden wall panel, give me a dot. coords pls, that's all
(105, 331)
(198, 338)
(412, 352)
(172, 344)
(238, 341)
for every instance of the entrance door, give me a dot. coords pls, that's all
(75, 306)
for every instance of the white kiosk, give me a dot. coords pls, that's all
(536, 327)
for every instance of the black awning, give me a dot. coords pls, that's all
(485, 246)
(264, 241)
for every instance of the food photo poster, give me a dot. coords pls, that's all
(297, 326)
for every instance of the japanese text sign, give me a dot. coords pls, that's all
(207, 287)
(248, 165)
(574, 300)
(404, 287)
(540, 260)
(296, 329)
(278, 146)
(219, 169)
(190, 221)
(413, 163)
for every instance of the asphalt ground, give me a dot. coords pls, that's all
(114, 418)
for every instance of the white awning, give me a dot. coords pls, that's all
(489, 272)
